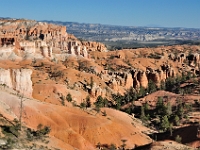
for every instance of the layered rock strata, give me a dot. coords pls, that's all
(137, 78)
(17, 79)
(30, 36)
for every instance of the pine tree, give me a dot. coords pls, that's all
(69, 97)
(105, 102)
(146, 108)
(168, 109)
(162, 85)
(180, 111)
(83, 105)
(88, 102)
(99, 103)
(151, 87)
(171, 129)
(91, 82)
(165, 123)
(177, 120)
(160, 107)
(142, 92)
(142, 114)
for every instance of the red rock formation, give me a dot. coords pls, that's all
(13, 31)
(93, 46)
(142, 78)
(128, 81)
(37, 37)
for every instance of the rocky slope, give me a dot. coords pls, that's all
(39, 60)
(77, 128)
(45, 64)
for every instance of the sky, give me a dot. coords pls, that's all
(163, 13)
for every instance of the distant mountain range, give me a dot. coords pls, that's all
(130, 36)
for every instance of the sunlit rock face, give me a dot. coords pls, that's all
(22, 39)
(94, 46)
(29, 36)
(17, 79)
(12, 32)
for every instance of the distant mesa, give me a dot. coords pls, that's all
(131, 36)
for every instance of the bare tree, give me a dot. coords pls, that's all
(21, 108)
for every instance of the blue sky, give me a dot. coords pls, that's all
(166, 13)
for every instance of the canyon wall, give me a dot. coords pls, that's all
(17, 79)
(137, 78)
(32, 37)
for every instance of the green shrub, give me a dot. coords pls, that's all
(178, 139)
(83, 105)
(39, 133)
(69, 97)
(88, 102)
